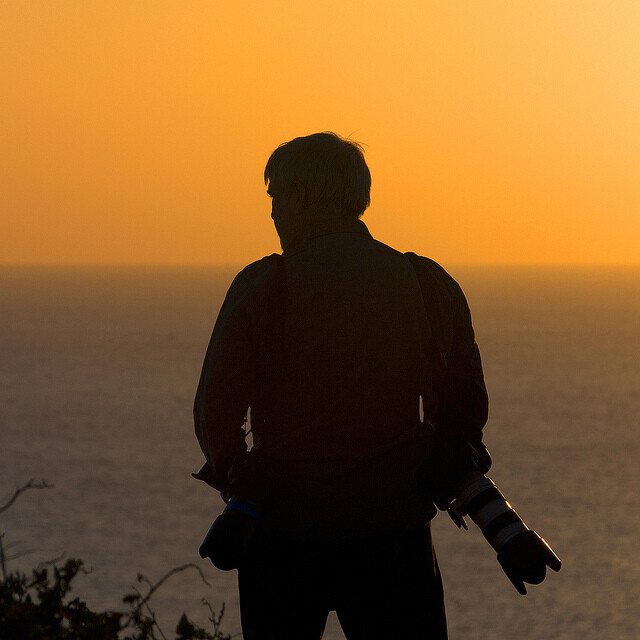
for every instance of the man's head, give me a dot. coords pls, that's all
(314, 177)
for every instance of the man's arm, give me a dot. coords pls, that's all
(458, 460)
(464, 399)
(223, 395)
(522, 553)
(460, 407)
(228, 382)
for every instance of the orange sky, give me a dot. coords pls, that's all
(496, 131)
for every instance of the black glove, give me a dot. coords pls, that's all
(525, 558)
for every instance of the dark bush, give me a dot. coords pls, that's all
(39, 606)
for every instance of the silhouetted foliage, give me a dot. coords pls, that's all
(36, 607)
(39, 605)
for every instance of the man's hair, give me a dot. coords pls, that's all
(332, 170)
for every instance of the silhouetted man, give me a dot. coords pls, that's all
(360, 371)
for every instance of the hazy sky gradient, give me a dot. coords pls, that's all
(496, 131)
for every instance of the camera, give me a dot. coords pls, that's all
(523, 555)
(227, 541)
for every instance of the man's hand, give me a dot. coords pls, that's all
(525, 558)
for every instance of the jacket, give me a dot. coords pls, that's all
(335, 350)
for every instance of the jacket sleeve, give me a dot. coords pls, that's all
(464, 399)
(461, 413)
(228, 380)
(459, 409)
(223, 393)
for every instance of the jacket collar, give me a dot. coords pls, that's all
(327, 227)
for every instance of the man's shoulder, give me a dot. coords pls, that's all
(434, 279)
(258, 270)
(433, 275)
(253, 279)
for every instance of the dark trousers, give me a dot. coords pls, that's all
(382, 587)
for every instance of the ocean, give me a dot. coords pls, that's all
(99, 366)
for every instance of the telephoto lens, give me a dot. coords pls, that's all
(229, 537)
(523, 555)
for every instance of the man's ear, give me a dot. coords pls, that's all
(298, 197)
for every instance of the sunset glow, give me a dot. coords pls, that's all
(496, 132)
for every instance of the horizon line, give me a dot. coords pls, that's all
(242, 264)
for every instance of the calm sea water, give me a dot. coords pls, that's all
(98, 371)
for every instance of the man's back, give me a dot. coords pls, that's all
(339, 422)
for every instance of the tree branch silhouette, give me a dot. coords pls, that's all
(32, 484)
